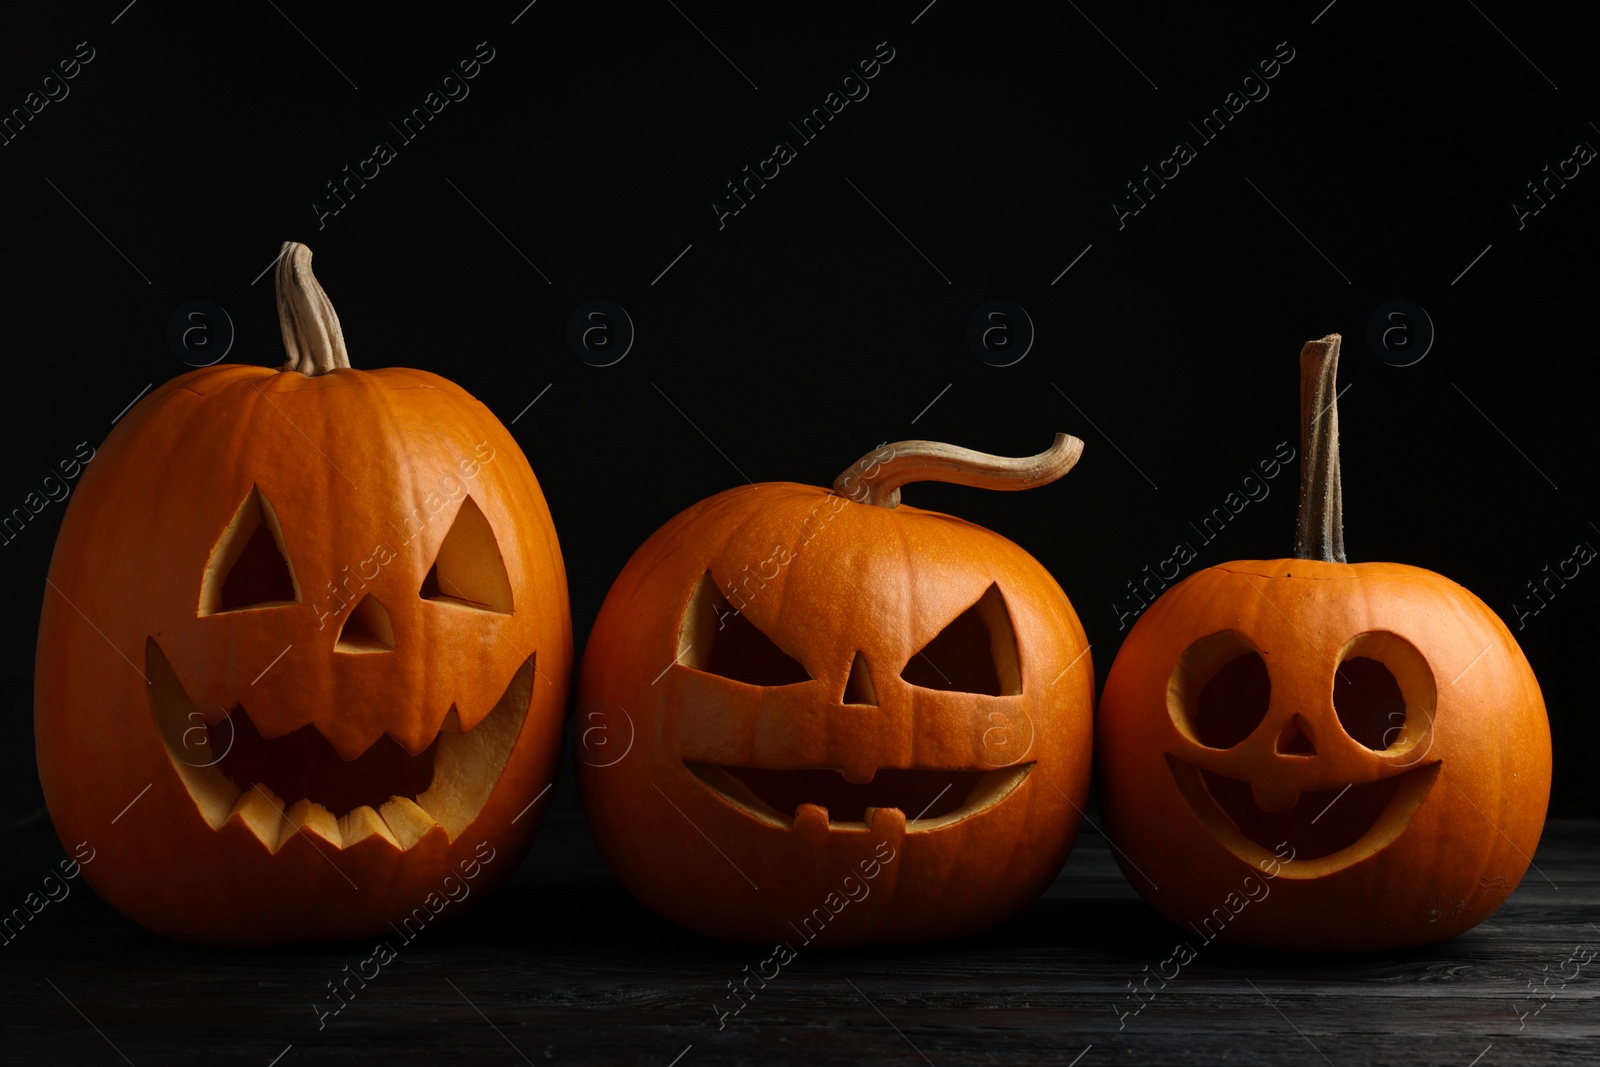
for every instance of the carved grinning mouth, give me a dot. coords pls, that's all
(932, 798)
(1329, 829)
(298, 783)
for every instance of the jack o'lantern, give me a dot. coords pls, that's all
(1316, 755)
(824, 716)
(304, 650)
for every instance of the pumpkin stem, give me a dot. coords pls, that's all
(876, 478)
(1320, 531)
(311, 334)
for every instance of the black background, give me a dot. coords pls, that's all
(826, 317)
(831, 313)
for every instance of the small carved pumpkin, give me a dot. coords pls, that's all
(1318, 755)
(819, 716)
(304, 649)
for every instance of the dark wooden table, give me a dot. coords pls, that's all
(563, 966)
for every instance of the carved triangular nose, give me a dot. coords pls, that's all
(1295, 739)
(858, 689)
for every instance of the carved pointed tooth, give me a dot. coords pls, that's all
(260, 809)
(307, 816)
(407, 821)
(810, 819)
(212, 792)
(413, 740)
(348, 742)
(362, 823)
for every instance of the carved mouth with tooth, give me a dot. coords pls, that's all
(1333, 827)
(927, 799)
(298, 783)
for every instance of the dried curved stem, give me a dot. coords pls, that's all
(1319, 533)
(311, 334)
(876, 478)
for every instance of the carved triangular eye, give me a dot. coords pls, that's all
(715, 638)
(976, 653)
(469, 572)
(367, 628)
(248, 566)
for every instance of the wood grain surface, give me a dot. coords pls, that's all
(562, 966)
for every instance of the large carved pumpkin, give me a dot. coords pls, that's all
(1318, 755)
(818, 716)
(304, 649)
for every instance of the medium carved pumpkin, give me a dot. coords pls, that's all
(1311, 754)
(823, 716)
(304, 649)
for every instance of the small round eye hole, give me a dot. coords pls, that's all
(1383, 692)
(1219, 690)
(1368, 702)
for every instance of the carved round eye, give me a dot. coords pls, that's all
(1219, 690)
(1383, 692)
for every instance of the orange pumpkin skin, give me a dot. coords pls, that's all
(348, 461)
(828, 579)
(1455, 803)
